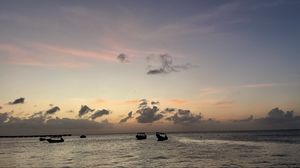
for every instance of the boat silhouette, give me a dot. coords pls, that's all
(82, 136)
(141, 136)
(50, 140)
(161, 136)
(42, 139)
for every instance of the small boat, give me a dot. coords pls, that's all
(161, 136)
(141, 135)
(82, 136)
(55, 140)
(42, 139)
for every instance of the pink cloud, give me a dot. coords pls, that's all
(177, 101)
(35, 55)
(134, 101)
(99, 101)
(262, 85)
(104, 55)
(224, 103)
(11, 49)
(211, 90)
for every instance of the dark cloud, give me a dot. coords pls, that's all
(185, 117)
(156, 71)
(99, 113)
(84, 110)
(20, 100)
(126, 118)
(143, 103)
(275, 119)
(45, 115)
(37, 115)
(41, 125)
(52, 110)
(165, 66)
(154, 102)
(3, 117)
(123, 58)
(169, 110)
(75, 123)
(250, 118)
(277, 116)
(148, 115)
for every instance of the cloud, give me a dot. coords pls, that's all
(185, 117)
(20, 100)
(184, 66)
(74, 52)
(148, 115)
(154, 102)
(31, 56)
(224, 103)
(143, 103)
(3, 117)
(40, 125)
(123, 58)
(99, 113)
(126, 118)
(183, 120)
(156, 71)
(165, 65)
(277, 114)
(212, 90)
(84, 110)
(250, 118)
(52, 110)
(37, 115)
(275, 119)
(168, 110)
(132, 101)
(178, 101)
(261, 85)
(75, 123)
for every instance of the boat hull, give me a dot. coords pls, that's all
(140, 137)
(55, 141)
(161, 136)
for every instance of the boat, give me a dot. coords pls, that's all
(42, 139)
(141, 136)
(161, 136)
(55, 140)
(82, 136)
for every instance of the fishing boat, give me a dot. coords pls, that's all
(50, 140)
(141, 136)
(42, 139)
(82, 136)
(161, 136)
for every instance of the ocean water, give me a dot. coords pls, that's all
(227, 149)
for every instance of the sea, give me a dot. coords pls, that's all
(276, 149)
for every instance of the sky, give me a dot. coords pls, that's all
(126, 66)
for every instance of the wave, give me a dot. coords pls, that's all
(216, 141)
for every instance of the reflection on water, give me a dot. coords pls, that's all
(255, 149)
